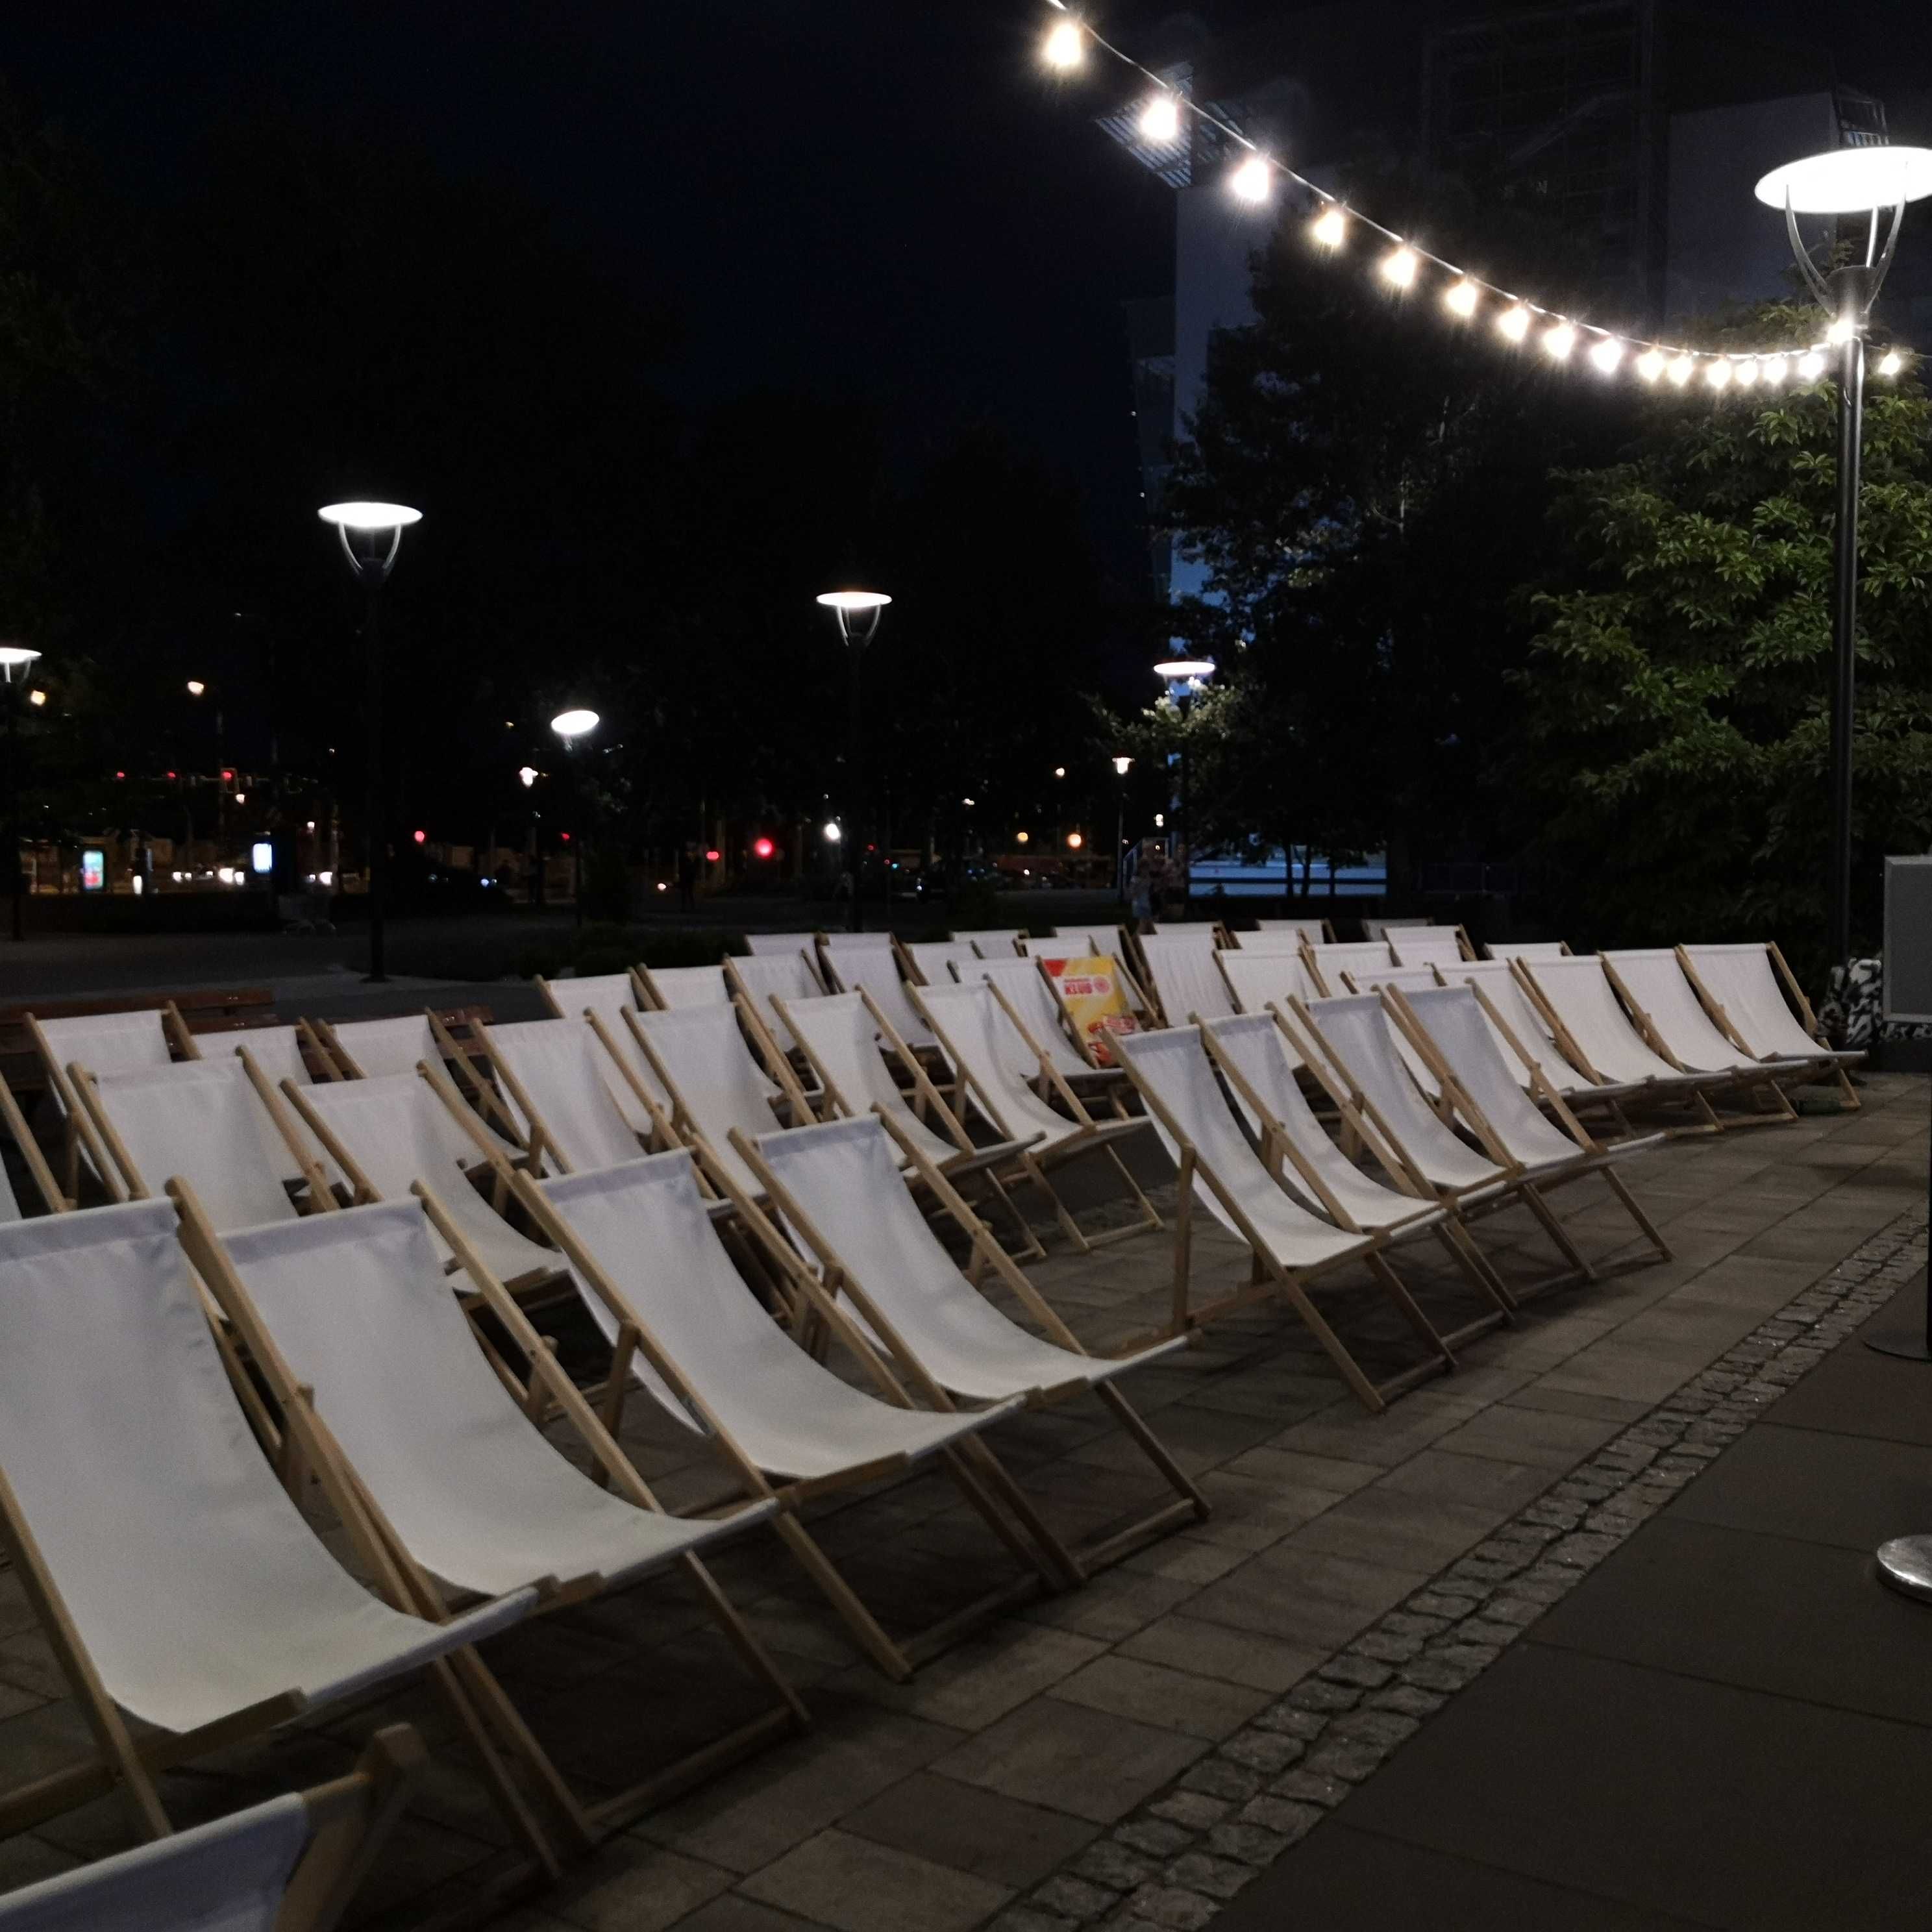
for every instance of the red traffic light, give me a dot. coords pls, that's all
(712, 855)
(421, 838)
(764, 847)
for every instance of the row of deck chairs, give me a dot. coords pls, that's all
(189, 1602)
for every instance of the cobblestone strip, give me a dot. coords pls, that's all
(1177, 1860)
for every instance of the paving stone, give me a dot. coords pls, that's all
(982, 1680)
(1214, 1650)
(970, 1829)
(856, 1885)
(630, 1887)
(1201, 1706)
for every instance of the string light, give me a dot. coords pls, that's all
(1065, 47)
(1253, 181)
(1160, 120)
(1162, 123)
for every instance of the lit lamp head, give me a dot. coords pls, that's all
(371, 533)
(1185, 677)
(1120, 765)
(16, 658)
(858, 613)
(528, 773)
(1849, 181)
(570, 726)
(195, 687)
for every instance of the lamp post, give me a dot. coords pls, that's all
(1186, 678)
(1847, 182)
(14, 658)
(371, 534)
(858, 613)
(573, 728)
(1121, 766)
(528, 775)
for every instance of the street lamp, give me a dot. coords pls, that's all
(1121, 765)
(14, 658)
(572, 727)
(1847, 181)
(1186, 678)
(858, 613)
(371, 534)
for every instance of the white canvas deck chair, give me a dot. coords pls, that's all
(278, 1053)
(560, 1084)
(869, 959)
(387, 1135)
(1258, 980)
(369, 1049)
(350, 1314)
(1328, 964)
(757, 981)
(989, 1045)
(1350, 1043)
(1291, 1247)
(665, 987)
(1409, 979)
(1521, 1030)
(174, 1578)
(291, 1865)
(104, 1043)
(1444, 946)
(683, 1326)
(1580, 1006)
(610, 996)
(998, 943)
(204, 1119)
(1382, 928)
(713, 1081)
(1527, 949)
(836, 1187)
(929, 962)
(1652, 984)
(1310, 931)
(1745, 987)
(1027, 991)
(1448, 1024)
(1183, 976)
(763, 945)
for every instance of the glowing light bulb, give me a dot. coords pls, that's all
(1558, 342)
(1065, 47)
(1683, 369)
(1513, 325)
(1891, 363)
(1329, 228)
(1718, 374)
(1160, 120)
(1253, 181)
(1650, 365)
(1607, 354)
(1842, 330)
(1399, 268)
(1461, 298)
(1811, 365)
(1773, 369)
(1745, 374)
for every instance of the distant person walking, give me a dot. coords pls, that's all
(687, 878)
(1150, 875)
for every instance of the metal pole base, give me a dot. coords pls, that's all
(1907, 1348)
(1905, 1564)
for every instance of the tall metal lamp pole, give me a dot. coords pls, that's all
(1186, 678)
(14, 658)
(371, 534)
(573, 727)
(858, 613)
(1121, 766)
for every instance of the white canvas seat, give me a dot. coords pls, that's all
(987, 1045)
(1290, 938)
(276, 1050)
(1595, 1031)
(1182, 975)
(1652, 981)
(778, 945)
(1025, 988)
(1314, 931)
(1427, 946)
(610, 995)
(1742, 984)
(389, 1134)
(686, 1328)
(1261, 1063)
(1330, 963)
(103, 1043)
(1219, 1169)
(686, 986)
(1528, 948)
(997, 943)
(194, 1589)
(1378, 929)
(701, 1062)
(367, 1049)
(932, 960)
(289, 1865)
(759, 979)
(202, 1119)
(1257, 980)
(1408, 979)
(851, 961)
(561, 1087)
(1521, 1030)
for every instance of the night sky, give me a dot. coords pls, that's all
(889, 201)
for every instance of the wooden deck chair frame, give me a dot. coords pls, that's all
(350, 1819)
(1273, 1280)
(587, 1824)
(1371, 1126)
(1828, 1066)
(1093, 1136)
(1278, 1148)
(680, 1126)
(1744, 1081)
(1704, 1119)
(54, 1202)
(77, 1130)
(1592, 1156)
(896, 1658)
(128, 1765)
(640, 994)
(1085, 1558)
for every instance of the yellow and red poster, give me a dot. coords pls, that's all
(1089, 988)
